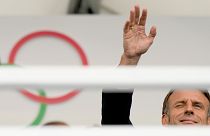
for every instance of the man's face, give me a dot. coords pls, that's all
(187, 107)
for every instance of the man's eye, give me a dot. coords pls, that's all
(198, 106)
(179, 105)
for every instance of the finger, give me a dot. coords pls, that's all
(153, 33)
(126, 26)
(137, 14)
(143, 18)
(132, 17)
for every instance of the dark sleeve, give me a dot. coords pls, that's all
(116, 108)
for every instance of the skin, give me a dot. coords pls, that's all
(187, 107)
(135, 41)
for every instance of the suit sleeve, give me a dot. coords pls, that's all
(116, 108)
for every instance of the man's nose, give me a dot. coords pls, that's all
(189, 109)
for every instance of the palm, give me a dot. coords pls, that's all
(136, 42)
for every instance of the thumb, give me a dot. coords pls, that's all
(153, 33)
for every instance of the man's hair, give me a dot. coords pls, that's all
(55, 123)
(165, 102)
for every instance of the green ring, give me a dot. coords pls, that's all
(42, 111)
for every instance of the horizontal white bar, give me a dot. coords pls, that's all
(111, 131)
(105, 77)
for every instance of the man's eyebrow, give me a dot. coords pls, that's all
(198, 102)
(180, 101)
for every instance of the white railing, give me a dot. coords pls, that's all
(106, 77)
(111, 131)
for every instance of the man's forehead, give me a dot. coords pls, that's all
(185, 94)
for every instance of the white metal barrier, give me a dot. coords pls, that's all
(111, 131)
(106, 77)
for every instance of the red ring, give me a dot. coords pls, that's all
(70, 41)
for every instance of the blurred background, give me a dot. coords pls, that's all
(63, 7)
(96, 26)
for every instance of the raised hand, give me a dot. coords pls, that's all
(135, 40)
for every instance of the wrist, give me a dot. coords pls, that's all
(125, 60)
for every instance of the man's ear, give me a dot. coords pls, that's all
(165, 119)
(208, 120)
